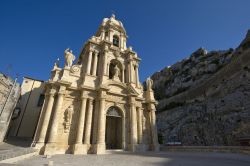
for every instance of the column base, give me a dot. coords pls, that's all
(99, 149)
(80, 149)
(38, 145)
(133, 147)
(141, 148)
(50, 149)
(155, 147)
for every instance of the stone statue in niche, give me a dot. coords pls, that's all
(68, 118)
(149, 83)
(116, 73)
(69, 57)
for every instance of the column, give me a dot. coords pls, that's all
(104, 63)
(123, 73)
(108, 69)
(124, 132)
(55, 119)
(133, 125)
(95, 122)
(100, 147)
(137, 76)
(131, 72)
(88, 122)
(101, 123)
(139, 125)
(102, 35)
(89, 61)
(121, 41)
(95, 63)
(47, 114)
(80, 126)
(111, 34)
(124, 43)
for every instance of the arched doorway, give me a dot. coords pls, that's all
(113, 134)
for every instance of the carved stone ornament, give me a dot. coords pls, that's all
(117, 54)
(75, 69)
(112, 111)
(68, 118)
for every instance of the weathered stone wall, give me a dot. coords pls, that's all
(204, 100)
(24, 123)
(9, 94)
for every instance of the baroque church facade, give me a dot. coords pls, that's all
(98, 103)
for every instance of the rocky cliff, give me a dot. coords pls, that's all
(205, 98)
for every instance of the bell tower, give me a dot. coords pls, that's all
(113, 31)
(105, 56)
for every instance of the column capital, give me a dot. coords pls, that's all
(84, 97)
(50, 92)
(91, 50)
(61, 93)
(95, 52)
(106, 48)
(151, 110)
(91, 99)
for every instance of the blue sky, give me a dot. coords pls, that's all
(33, 34)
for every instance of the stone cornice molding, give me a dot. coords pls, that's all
(63, 83)
(84, 87)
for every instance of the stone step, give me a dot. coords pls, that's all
(12, 155)
(15, 149)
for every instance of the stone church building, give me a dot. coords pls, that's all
(98, 103)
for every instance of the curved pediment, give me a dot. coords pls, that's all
(119, 88)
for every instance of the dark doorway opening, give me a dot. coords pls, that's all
(113, 132)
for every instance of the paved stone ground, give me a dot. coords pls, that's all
(14, 148)
(145, 159)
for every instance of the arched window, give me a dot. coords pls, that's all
(116, 41)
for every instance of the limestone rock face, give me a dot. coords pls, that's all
(205, 99)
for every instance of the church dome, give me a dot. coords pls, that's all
(112, 22)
